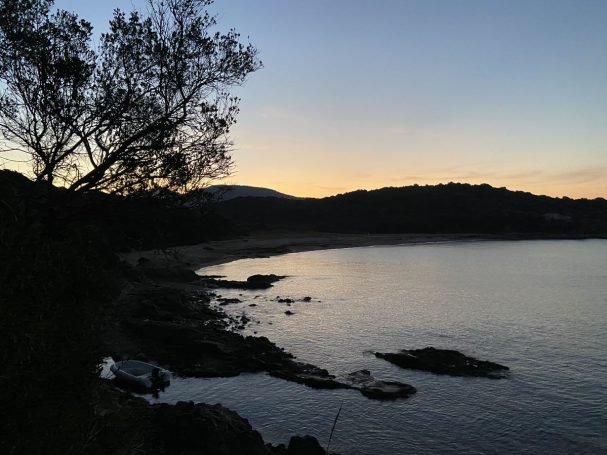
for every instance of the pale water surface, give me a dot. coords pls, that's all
(539, 307)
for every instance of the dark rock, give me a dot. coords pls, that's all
(289, 313)
(286, 300)
(226, 301)
(378, 389)
(444, 361)
(143, 261)
(252, 304)
(307, 299)
(188, 336)
(253, 282)
(304, 445)
(264, 280)
(201, 428)
(172, 273)
(310, 375)
(129, 424)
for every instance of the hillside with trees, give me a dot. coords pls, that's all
(445, 208)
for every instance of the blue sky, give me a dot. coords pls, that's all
(365, 94)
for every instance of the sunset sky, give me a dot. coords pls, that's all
(364, 94)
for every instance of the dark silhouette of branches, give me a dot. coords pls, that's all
(150, 108)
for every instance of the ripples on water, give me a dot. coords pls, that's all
(539, 307)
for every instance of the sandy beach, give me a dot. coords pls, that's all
(272, 243)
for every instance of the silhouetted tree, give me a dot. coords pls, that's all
(149, 108)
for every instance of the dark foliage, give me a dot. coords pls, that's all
(450, 208)
(58, 274)
(52, 293)
(150, 108)
(117, 223)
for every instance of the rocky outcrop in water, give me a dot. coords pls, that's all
(444, 361)
(378, 389)
(183, 333)
(226, 301)
(252, 282)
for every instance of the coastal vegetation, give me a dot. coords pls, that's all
(443, 208)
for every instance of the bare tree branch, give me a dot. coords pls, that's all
(150, 108)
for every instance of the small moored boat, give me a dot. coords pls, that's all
(141, 374)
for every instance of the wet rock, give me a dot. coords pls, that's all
(310, 375)
(226, 301)
(444, 361)
(378, 389)
(188, 336)
(264, 280)
(252, 282)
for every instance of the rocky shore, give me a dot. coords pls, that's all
(165, 315)
(175, 325)
(132, 425)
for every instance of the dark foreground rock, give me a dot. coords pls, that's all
(131, 425)
(444, 361)
(158, 273)
(200, 428)
(305, 445)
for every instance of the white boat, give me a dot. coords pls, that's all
(141, 374)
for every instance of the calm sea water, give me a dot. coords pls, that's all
(539, 307)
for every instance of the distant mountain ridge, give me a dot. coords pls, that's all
(444, 208)
(227, 192)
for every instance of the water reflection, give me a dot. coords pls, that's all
(538, 307)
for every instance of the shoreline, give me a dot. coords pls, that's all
(265, 244)
(167, 305)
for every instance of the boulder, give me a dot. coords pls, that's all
(444, 361)
(378, 389)
(200, 428)
(253, 282)
(304, 445)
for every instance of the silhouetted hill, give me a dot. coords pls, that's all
(152, 222)
(123, 223)
(445, 208)
(227, 192)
